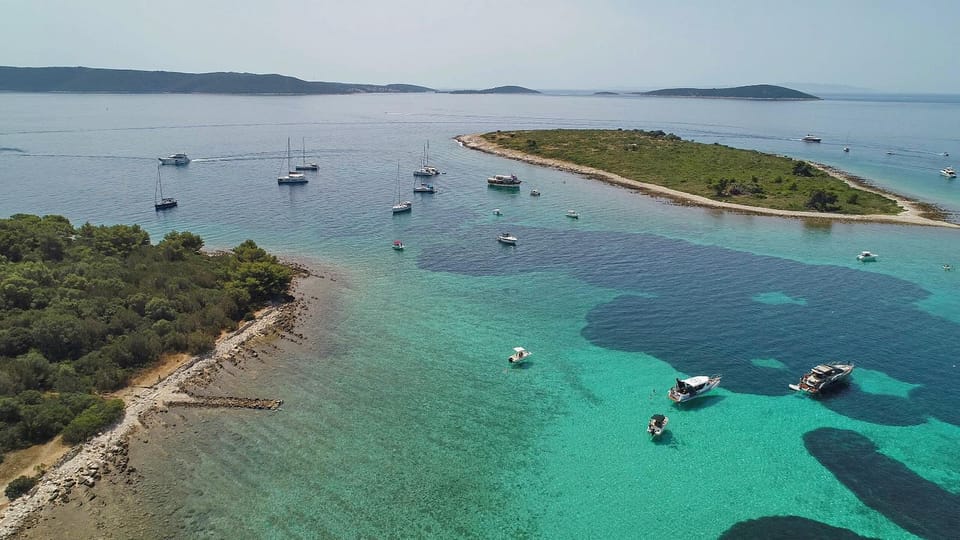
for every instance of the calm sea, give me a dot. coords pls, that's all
(401, 416)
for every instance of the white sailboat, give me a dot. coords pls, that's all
(425, 168)
(401, 206)
(306, 166)
(292, 177)
(159, 201)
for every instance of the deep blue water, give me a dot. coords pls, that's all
(401, 418)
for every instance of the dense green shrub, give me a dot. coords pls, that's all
(19, 487)
(92, 420)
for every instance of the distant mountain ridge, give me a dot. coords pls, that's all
(83, 79)
(498, 90)
(756, 91)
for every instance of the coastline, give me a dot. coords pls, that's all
(86, 465)
(914, 212)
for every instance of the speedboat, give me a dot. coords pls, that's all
(948, 172)
(174, 159)
(846, 148)
(866, 256)
(509, 181)
(822, 376)
(403, 206)
(656, 424)
(573, 214)
(692, 387)
(398, 245)
(507, 238)
(497, 212)
(534, 193)
(424, 188)
(947, 268)
(811, 138)
(519, 355)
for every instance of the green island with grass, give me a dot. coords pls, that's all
(714, 171)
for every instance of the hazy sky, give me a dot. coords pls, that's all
(885, 45)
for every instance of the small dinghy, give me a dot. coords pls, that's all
(656, 425)
(519, 355)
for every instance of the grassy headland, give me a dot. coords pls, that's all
(713, 171)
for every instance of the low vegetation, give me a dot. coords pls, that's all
(714, 171)
(83, 308)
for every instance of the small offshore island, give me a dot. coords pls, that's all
(767, 92)
(710, 175)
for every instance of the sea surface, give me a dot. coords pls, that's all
(401, 415)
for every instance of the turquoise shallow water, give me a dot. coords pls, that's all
(401, 415)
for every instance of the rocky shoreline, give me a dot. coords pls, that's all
(76, 473)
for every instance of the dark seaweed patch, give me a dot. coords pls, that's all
(787, 528)
(886, 485)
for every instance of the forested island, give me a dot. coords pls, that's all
(692, 171)
(756, 91)
(84, 308)
(498, 90)
(84, 79)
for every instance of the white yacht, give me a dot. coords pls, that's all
(692, 387)
(292, 176)
(174, 159)
(509, 181)
(867, 256)
(811, 138)
(573, 214)
(948, 172)
(821, 377)
(507, 238)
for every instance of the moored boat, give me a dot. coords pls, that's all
(509, 181)
(507, 238)
(656, 425)
(519, 355)
(424, 188)
(159, 201)
(866, 256)
(174, 159)
(692, 387)
(573, 214)
(398, 245)
(306, 166)
(821, 377)
(292, 176)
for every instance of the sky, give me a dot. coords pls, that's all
(881, 45)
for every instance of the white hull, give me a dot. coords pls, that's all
(176, 159)
(694, 388)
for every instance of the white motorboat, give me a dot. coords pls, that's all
(846, 149)
(497, 212)
(507, 238)
(573, 214)
(398, 245)
(174, 159)
(692, 387)
(509, 181)
(821, 377)
(656, 425)
(947, 268)
(159, 201)
(424, 188)
(519, 355)
(866, 256)
(534, 193)
(292, 176)
(811, 138)
(948, 172)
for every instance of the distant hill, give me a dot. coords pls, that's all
(606, 94)
(498, 90)
(756, 91)
(82, 79)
